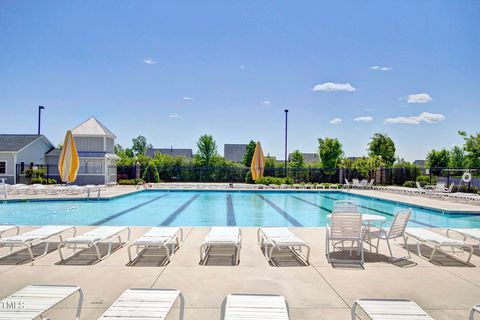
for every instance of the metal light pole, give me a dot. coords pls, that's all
(286, 134)
(40, 108)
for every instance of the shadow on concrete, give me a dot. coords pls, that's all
(88, 257)
(22, 257)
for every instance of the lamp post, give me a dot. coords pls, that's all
(40, 108)
(286, 134)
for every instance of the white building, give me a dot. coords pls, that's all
(19, 152)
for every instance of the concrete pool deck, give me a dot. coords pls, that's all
(446, 288)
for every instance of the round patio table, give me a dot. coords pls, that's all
(369, 218)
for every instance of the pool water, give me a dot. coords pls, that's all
(215, 208)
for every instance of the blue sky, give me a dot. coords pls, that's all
(173, 70)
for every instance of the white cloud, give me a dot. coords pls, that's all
(267, 103)
(378, 68)
(175, 116)
(336, 121)
(149, 61)
(332, 86)
(365, 119)
(419, 98)
(187, 98)
(422, 117)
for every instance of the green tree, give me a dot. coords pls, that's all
(151, 174)
(382, 145)
(247, 157)
(296, 160)
(330, 152)
(270, 162)
(438, 159)
(472, 149)
(457, 157)
(140, 145)
(207, 150)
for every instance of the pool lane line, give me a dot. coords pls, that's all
(386, 213)
(283, 213)
(312, 203)
(116, 215)
(231, 221)
(177, 212)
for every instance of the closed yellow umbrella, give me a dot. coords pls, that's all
(68, 162)
(258, 163)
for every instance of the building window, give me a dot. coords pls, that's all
(91, 167)
(3, 167)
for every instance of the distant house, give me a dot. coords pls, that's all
(98, 163)
(307, 157)
(19, 152)
(187, 153)
(420, 163)
(234, 152)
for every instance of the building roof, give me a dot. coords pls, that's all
(93, 127)
(89, 154)
(187, 153)
(16, 142)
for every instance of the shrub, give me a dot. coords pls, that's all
(38, 180)
(248, 177)
(130, 182)
(151, 174)
(273, 180)
(289, 180)
(51, 181)
(426, 179)
(409, 184)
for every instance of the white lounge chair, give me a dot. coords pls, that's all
(345, 227)
(221, 236)
(382, 309)
(254, 307)
(169, 238)
(436, 241)
(472, 234)
(93, 238)
(475, 309)
(281, 239)
(144, 303)
(397, 230)
(33, 301)
(34, 237)
(7, 227)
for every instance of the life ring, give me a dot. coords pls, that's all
(467, 177)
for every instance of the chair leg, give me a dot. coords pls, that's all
(389, 248)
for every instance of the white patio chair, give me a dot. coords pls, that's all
(282, 239)
(31, 238)
(105, 234)
(475, 309)
(221, 236)
(254, 307)
(169, 238)
(8, 227)
(35, 300)
(347, 184)
(345, 227)
(472, 234)
(397, 230)
(401, 309)
(437, 242)
(144, 303)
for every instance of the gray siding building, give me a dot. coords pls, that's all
(186, 153)
(234, 152)
(98, 163)
(308, 157)
(20, 151)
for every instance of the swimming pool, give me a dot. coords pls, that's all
(215, 208)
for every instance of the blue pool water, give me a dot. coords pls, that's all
(213, 208)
